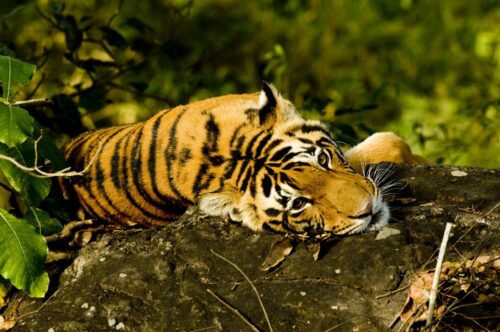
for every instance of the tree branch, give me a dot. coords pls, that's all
(35, 171)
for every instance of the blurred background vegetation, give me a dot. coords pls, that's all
(427, 70)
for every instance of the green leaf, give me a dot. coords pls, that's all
(68, 25)
(33, 189)
(43, 222)
(14, 74)
(114, 38)
(16, 125)
(22, 255)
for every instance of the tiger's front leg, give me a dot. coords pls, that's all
(380, 147)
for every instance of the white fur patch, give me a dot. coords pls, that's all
(216, 204)
(262, 99)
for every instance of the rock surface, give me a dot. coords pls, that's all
(157, 279)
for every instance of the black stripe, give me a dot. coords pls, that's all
(94, 176)
(234, 136)
(294, 165)
(170, 156)
(284, 178)
(216, 160)
(272, 146)
(197, 186)
(212, 138)
(290, 156)
(305, 140)
(185, 155)
(116, 174)
(235, 159)
(244, 184)
(248, 151)
(308, 128)
(205, 184)
(127, 164)
(325, 142)
(272, 212)
(266, 185)
(136, 164)
(262, 144)
(152, 158)
(280, 153)
(340, 156)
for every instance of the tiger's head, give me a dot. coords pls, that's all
(294, 179)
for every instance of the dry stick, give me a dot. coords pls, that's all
(233, 309)
(492, 209)
(33, 102)
(437, 273)
(38, 173)
(393, 291)
(335, 327)
(68, 230)
(251, 284)
(205, 328)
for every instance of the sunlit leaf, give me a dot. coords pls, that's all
(22, 255)
(14, 74)
(43, 222)
(4, 290)
(33, 189)
(16, 125)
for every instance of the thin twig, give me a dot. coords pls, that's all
(140, 93)
(233, 309)
(205, 328)
(437, 273)
(492, 209)
(41, 306)
(393, 292)
(35, 171)
(251, 284)
(336, 326)
(33, 103)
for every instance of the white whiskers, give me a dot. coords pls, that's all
(380, 175)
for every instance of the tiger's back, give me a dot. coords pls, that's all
(148, 173)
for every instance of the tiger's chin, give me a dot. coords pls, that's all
(374, 222)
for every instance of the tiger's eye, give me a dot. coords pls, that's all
(323, 159)
(298, 203)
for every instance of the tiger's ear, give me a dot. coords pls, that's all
(273, 108)
(219, 203)
(268, 105)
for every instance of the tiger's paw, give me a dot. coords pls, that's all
(382, 147)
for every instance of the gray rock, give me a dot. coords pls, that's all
(157, 279)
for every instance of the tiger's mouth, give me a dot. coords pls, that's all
(379, 219)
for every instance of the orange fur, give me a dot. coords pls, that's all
(249, 157)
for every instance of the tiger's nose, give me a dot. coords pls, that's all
(367, 211)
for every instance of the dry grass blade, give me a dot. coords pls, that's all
(233, 309)
(251, 284)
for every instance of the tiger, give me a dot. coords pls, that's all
(249, 158)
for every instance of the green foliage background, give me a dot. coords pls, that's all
(428, 70)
